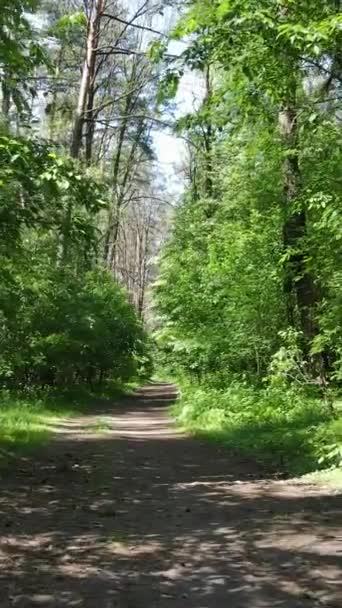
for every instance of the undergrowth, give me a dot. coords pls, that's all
(289, 431)
(27, 418)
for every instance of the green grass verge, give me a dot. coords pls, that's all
(329, 477)
(26, 419)
(287, 431)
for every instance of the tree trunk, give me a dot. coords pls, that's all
(208, 142)
(51, 108)
(88, 73)
(114, 236)
(90, 126)
(299, 285)
(6, 99)
(114, 211)
(143, 265)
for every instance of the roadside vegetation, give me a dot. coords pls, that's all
(28, 418)
(251, 328)
(289, 432)
(69, 328)
(247, 298)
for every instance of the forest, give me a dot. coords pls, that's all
(93, 237)
(252, 323)
(80, 211)
(170, 303)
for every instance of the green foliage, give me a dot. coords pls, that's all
(15, 34)
(63, 319)
(21, 423)
(286, 430)
(169, 85)
(59, 324)
(226, 308)
(36, 188)
(224, 322)
(156, 50)
(20, 52)
(62, 328)
(72, 23)
(69, 31)
(254, 259)
(27, 418)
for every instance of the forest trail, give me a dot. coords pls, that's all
(123, 510)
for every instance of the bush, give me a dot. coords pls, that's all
(59, 328)
(287, 430)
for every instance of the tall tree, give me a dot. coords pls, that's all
(86, 91)
(286, 39)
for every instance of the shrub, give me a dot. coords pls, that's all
(285, 429)
(59, 328)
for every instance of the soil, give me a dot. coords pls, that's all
(122, 509)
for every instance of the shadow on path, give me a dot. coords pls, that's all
(134, 514)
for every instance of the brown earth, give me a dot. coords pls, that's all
(123, 510)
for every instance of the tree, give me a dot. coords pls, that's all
(20, 54)
(63, 319)
(286, 39)
(87, 84)
(112, 106)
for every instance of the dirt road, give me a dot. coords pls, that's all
(123, 510)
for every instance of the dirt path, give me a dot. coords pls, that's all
(122, 510)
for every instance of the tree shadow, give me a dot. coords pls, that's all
(145, 517)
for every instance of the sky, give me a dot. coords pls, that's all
(171, 151)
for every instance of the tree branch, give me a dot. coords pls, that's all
(131, 23)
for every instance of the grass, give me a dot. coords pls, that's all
(117, 537)
(328, 477)
(26, 419)
(288, 431)
(100, 426)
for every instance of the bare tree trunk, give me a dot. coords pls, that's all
(51, 108)
(143, 264)
(88, 72)
(113, 225)
(90, 125)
